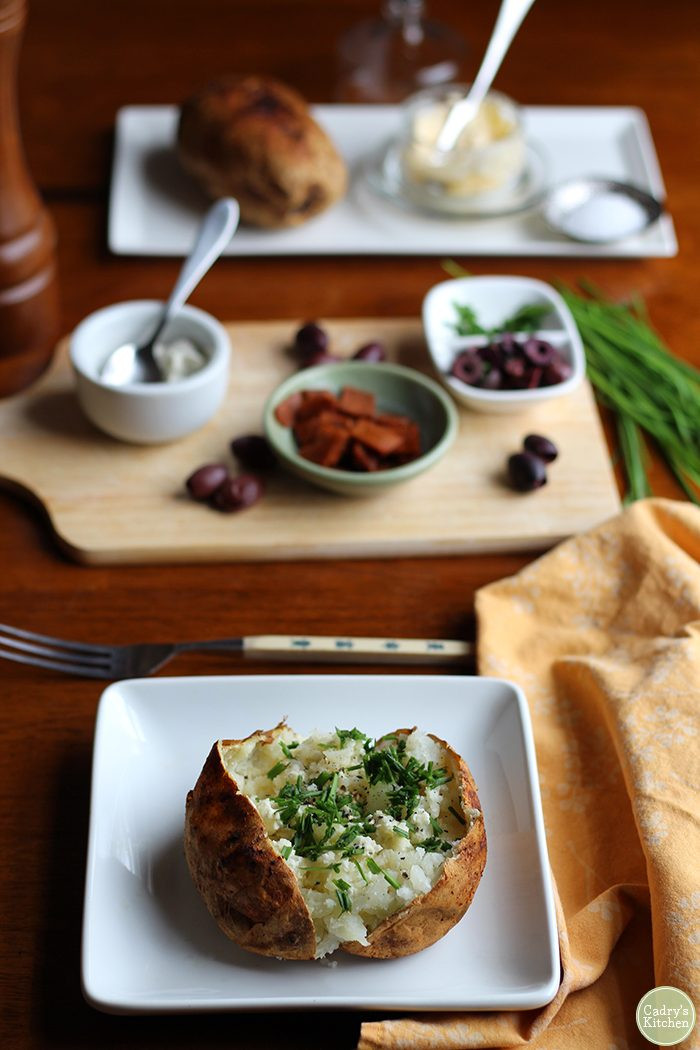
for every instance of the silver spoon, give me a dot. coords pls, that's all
(134, 362)
(509, 20)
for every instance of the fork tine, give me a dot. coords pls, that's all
(98, 659)
(84, 670)
(56, 643)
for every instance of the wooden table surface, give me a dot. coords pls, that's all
(80, 62)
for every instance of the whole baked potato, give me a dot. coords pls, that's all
(300, 846)
(253, 138)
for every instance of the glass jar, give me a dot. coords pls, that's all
(489, 155)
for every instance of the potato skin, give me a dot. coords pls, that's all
(253, 138)
(247, 887)
(429, 917)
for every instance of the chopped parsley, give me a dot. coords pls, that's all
(528, 318)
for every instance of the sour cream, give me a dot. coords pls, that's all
(179, 359)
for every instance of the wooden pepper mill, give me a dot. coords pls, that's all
(29, 317)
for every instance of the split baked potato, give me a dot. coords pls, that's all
(299, 846)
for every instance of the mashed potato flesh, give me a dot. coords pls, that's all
(365, 826)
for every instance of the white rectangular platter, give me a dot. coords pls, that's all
(154, 207)
(149, 945)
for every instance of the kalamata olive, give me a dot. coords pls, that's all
(526, 472)
(370, 352)
(310, 339)
(539, 351)
(468, 367)
(556, 372)
(321, 357)
(254, 452)
(492, 354)
(515, 372)
(534, 378)
(493, 380)
(541, 447)
(238, 493)
(204, 482)
(507, 343)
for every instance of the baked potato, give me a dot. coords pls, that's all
(253, 138)
(300, 846)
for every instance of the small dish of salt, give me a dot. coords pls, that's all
(600, 211)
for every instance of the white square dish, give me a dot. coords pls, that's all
(493, 299)
(150, 946)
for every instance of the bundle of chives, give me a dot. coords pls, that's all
(648, 389)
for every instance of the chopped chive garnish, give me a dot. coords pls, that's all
(342, 894)
(359, 868)
(457, 816)
(349, 734)
(376, 870)
(435, 845)
(286, 852)
(324, 816)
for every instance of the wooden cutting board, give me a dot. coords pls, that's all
(110, 502)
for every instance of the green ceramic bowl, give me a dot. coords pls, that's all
(397, 389)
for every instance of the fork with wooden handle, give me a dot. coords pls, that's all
(134, 661)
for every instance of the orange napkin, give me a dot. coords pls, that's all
(603, 635)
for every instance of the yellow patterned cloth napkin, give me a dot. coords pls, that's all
(603, 635)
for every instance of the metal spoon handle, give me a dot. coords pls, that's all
(508, 22)
(215, 232)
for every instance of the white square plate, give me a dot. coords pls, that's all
(154, 207)
(149, 945)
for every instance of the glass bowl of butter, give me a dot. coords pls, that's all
(490, 170)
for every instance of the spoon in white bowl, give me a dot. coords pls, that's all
(508, 22)
(135, 362)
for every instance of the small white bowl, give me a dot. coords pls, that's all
(493, 299)
(148, 413)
